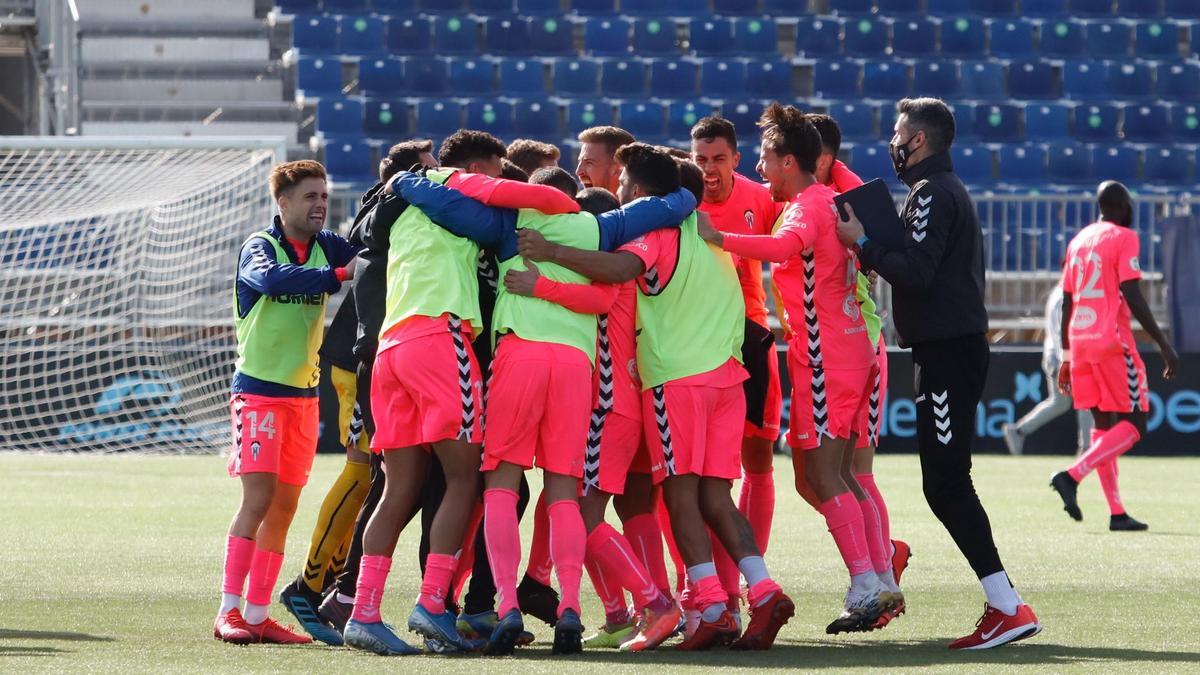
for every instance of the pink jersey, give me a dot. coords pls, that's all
(749, 210)
(1099, 259)
(622, 329)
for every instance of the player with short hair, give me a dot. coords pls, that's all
(532, 155)
(284, 278)
(1101, 367)
(511, 171)
(691, 314)
(598, 147)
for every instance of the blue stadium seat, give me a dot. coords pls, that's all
(491, 7)
(426, 76)
(916, 36)
(382, 77)
(299, 6)
(315, 34)
(1096, 122)
(550, 35)
(1022, 164)
(1047, 121)
(455, 35)
(594, 7)
(1179, 81)
(623, 78)
(871, 161)
(494, 117)
(522, 77)
(722, 79)
(963, 36)
(851, 6)
(1092, 7)
(1085, 80)
(668, 7)
(683, 115)
(736, 7)
(1069, 163)
(442, 6)
(654, 36)
(576, 77)
(606, 37)
(584, 114)
(409, 35)
(972, 162)
(1046, 8)
(836, 79)
(1149, 123)
(936, 78)
(855, 119)
(995, 7)
(747, 167)
(711, 37)
(539, 7)
(744, 116)
(1109, 39)
(394, 7)
(1031, 80)
(755, 36)
(1062, 36)
(964, 121)
(1141, 9)
(1131, 80)
(998, 123)
(438, 118)
(1115, 162)
(386, 119)
(1012, 38)
(340, 118)
(866, 37)
(819, 36)
(984, 80)
(897, 7)
(536, 119)
(474, 76)
(363, 36)
(673, 78)
(1167, 165)
(885, 79)
(1156, 39)
(316, 76)
(769, 79)
(349, 161)
(644, 119)
(505, 36)
(1182, 9)
(1185, 124)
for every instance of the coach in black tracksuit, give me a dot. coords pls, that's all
(937, 289)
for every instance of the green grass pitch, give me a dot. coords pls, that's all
(112, 564)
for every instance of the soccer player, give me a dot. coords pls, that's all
(285, 276)
(1101, 366)
(532, 155)
(739, 205)
(937, 290)
(832, 362)
(597, 151)
(691, 317)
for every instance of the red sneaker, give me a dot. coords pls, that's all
(765, 622)
(271, 633)
(232, 628)
(709, 634)
(996, 628)
(656, 627)
(892, 612)
(901, 552)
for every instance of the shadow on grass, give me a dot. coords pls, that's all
(6, 650)
(10, 634)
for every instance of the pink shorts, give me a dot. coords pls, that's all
(773, 409)
(539, 406)
(425, 390)
(616, 448)
(871, 420)
(826, 402)
(1116, 384)
(695, 429)
(274, 435)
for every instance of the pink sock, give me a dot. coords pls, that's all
(368, 594)
(756, 501)
(845, 521)
(867, 482)
(762, 591)
(239, 552)
(879, 549)
(1108, 472)
(439, 570)
(646, 537)
(540, 564)
(264, 572)
(1111, 445)
(664, 521)
(727, 570)
(503, 538)
(617, 561)
(568, 541)
(466, 557)
(611, 596)
(708, 592)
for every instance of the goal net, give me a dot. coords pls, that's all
(116, 283)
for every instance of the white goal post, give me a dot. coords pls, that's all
(117, 259)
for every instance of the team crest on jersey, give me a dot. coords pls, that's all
(749, 216)
(850, 308)
(632, 368)
(254, 448)
(1135, 265)
(1085, 317)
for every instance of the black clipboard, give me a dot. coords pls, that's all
(876, 210)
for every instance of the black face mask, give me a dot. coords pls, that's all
(900, 155)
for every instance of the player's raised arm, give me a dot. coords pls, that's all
(644, 215)
(259, 269)
(593, 298)
(609, 268)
